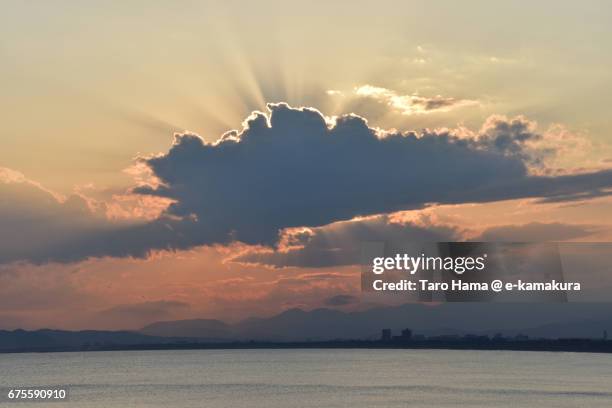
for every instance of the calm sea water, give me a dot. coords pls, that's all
(317, 378)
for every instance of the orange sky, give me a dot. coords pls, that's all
(90, 96)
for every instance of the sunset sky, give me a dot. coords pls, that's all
(170, 160)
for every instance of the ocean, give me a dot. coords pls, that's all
(315, 378)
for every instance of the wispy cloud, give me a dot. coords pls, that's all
(412, 104)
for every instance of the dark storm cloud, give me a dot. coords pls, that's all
(291, 168)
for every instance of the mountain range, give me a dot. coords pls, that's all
(549, 320)
(544, 320)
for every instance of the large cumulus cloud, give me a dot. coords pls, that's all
(294, 168)
(286, 169)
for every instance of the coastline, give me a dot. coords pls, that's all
(542, 345)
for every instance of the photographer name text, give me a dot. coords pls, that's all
(458, 285)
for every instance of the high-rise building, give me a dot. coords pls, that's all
(386, 335)
(406, 334)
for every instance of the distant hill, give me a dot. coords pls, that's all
(202, 328)
(48, 339)
(550, 320)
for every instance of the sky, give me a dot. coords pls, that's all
(165, 160)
